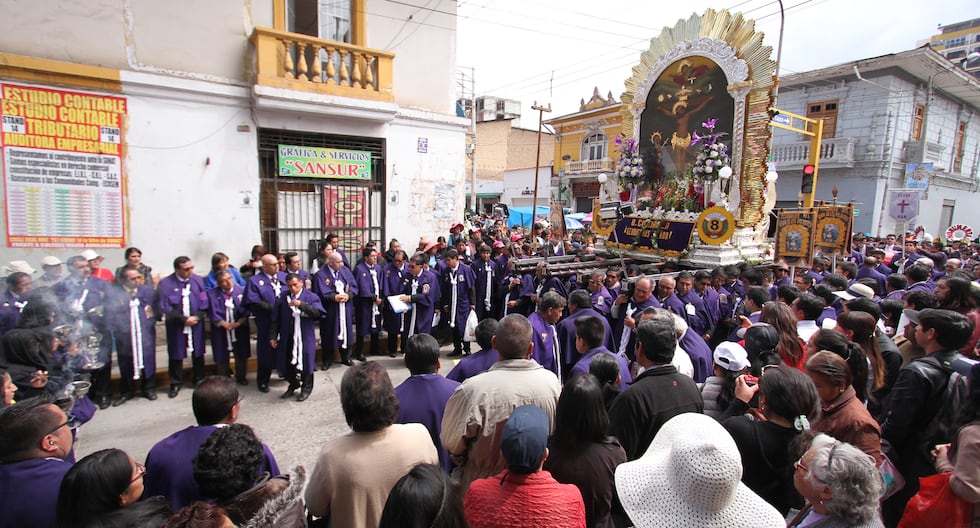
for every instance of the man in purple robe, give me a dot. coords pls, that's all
(369, 301)
(336, 287)
(261, 293)
(458, 299)
(547, 350)
(869, 270)
(708, 296)
(229, 326)
(130, 318)
(599, 295)
(293, 327)
(482, 360)
(918, 276)
(170, 463)
(422, 397)
(487, 278)
(579, 305)
(626, 313)
(182, 300)
(517, 289)
(695, 311)
(589, 336)
(13, 301)
(82, 297)
(35, 440)
(394, 323)
(419, 291)
(294, 264)
(544, 283)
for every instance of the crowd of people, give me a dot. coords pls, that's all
(600, 396)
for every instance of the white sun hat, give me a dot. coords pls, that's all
(691, 476)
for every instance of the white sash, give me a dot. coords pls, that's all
(627, 331)
(185, 306)
(276, 286)
(136, 336)
(79, 304)
(377, 293)
(555, 351)
(342, 333)
(455, 298)
(415, 291)
(486, 297)
(229, 318)
(297, 358)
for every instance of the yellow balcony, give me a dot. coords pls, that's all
(301, 62)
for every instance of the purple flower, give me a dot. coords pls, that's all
(696, 139)
(710, 124)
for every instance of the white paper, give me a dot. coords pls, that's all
(397, 305)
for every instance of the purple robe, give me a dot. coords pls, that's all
(473, 364)
(367, 322)
(283, 320)
(701, 356)
(260, 298)
(566, 335)
(712, 303)
(465, 298)
(170, 305)
(602, 301)
(922, 286)
(619, 327)
(517, 292)
(392, 285)
(422, 399)
(10, 307)
(117, 315)
(549, 284)
(326, 287)
(170, 466)
(487, 279)
(217, 312)
(71, 290)
(422, 302)
(727, 302)
(699, 321)
(547, 351)
(30, 492)
(582, 366)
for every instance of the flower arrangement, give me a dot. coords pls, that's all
(713, 155)
(629, 168)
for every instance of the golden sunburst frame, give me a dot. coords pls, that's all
(730, 41)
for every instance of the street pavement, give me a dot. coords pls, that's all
(294, 431)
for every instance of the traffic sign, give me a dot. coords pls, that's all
(782, 119)
(904, 205)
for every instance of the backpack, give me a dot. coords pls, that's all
(954, 397)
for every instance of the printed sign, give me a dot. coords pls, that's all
(62, 167)
(715, 225)
(904, 205)
(330, 163)
(659, 235)
(959, 232)
(346, 214)
(794, 243)
(833, 229)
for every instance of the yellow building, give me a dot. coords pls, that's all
(584, 148)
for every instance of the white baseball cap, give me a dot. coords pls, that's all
(89, 254)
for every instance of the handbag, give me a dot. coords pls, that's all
(891, 477)
(469, 332)
(936, 505)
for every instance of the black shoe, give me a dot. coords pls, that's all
(104, 402)
(360, 357)
(290, 390)
(150, 394)
(241, 381)
(348, 362)
(454, 353)
(174, 390)
(392, 354)
(123, 398)
(263, 387)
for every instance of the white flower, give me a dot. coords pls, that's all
(636, 172)
(714, 153)
(708, 169)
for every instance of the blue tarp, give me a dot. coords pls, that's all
(522, 216)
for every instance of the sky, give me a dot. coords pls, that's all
(557, 51)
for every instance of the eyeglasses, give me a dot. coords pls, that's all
(140, 472)
(70, 423)
(187, 268)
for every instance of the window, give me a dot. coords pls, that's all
(917, 122)
(326, 19)
(826, 110)
(958, 145)
(594, 147)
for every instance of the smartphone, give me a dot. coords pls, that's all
(751, 380)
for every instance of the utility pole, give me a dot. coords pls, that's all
(467, 92)
(537, 159)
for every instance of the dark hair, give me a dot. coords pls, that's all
(130, 251)
(811, 306)
(806, 278)
(15, 277)
(451, 253)
(197, 515)
(752, 277)
(897, 281)
(866, 305)
(550, 300)
(580, 298)
(591, 330)
(513, 337)
(419, 259)
(960, 298)
(953, 329)
(851, 352)
(292, 276)
(758, 294)
(790, 393)
(824, 292)
(658, 338)
(781, 317)
(864, 325)
(3, 384)
(761, 344)
(23, 425)
(92, 487)
(180, 261)
(836, 281)
(850, 267)
(426, 497)
(891, 309)
(832, 367)
(213, 399)
(871, 283)
(485, 331)
(26, 346)
(917, 273)
(216, 259)
(920, 300)
(787, 293)
(228, 462)
(366, 252)
(605, 367)
(368, 399)
(580, 418)
(421, 354)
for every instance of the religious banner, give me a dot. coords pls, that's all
(62, 167)
(917, 177)
(794, 240)
(903, 205)
(833, 233)
(658, 235)
(346, 214)
(558, 219)
(317, 162)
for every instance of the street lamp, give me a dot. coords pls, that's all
(971, 57)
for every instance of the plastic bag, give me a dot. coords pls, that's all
(892, 478)
(936, 505)
(469, 332)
